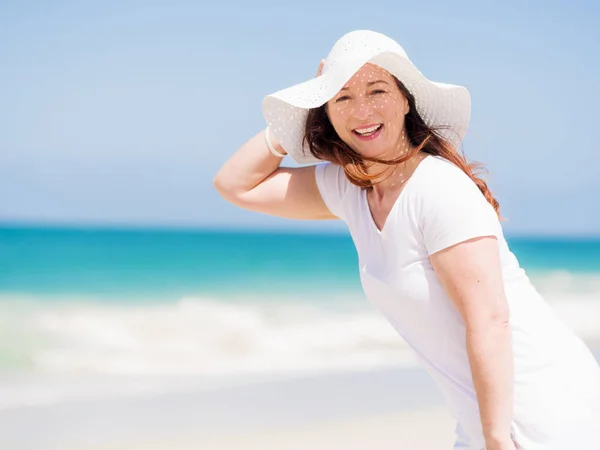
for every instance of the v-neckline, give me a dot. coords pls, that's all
(365, 200)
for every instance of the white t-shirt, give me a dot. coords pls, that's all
(557, 380)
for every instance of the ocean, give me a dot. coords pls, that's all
(93, 302)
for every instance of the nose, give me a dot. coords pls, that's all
(363, 108)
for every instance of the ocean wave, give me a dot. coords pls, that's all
(192, 336)
(556, 284)
(208, 336)
(51, 349)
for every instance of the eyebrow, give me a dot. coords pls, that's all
(369, 84)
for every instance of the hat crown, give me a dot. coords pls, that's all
(361, 44)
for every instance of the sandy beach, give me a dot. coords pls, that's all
(388, 408)
(423, 429)
(392, 408)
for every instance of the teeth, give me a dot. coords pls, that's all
(367, 130)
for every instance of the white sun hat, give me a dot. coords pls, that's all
(438, 104)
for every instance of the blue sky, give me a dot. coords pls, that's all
(121, 112)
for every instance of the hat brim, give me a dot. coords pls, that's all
(439, 104)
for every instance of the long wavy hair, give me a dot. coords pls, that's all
(325, 144)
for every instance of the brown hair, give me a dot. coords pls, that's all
(324, 143)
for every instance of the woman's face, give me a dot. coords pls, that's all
(368, 113)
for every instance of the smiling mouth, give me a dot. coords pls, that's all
(368, 133)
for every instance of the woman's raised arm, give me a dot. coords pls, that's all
(252, 179)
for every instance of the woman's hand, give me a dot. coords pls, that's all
(321, 64)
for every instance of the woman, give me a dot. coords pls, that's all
(432, 255)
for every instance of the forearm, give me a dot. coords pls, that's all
(490, 353)
(249, 166)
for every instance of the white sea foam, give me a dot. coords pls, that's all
(203, 336)
(200, 338)
(563, 283)
(576, 299)
(54, 351)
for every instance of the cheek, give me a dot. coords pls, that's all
(338, 118)
(391, 107)
(394, 116)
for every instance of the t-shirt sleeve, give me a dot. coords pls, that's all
(454, 210)
(332, 184)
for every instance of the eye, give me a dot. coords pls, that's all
(378, 91)
(342, 98)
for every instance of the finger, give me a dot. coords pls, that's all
(321, 67)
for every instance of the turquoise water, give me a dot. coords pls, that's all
(159, 302)
(171, 263)
(151, 263)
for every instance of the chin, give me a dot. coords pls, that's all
(370, 152)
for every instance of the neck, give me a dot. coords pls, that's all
(392, 176)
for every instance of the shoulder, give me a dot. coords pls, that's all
(333, 186)
(451, 208)
(331, 176)
(443, 180)
(328, 169)
(438, 170)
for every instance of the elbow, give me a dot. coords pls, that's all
(498, 318)
(497, 321)
(219, 183)
(223, 187)
(495, 318)
(228, 189)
